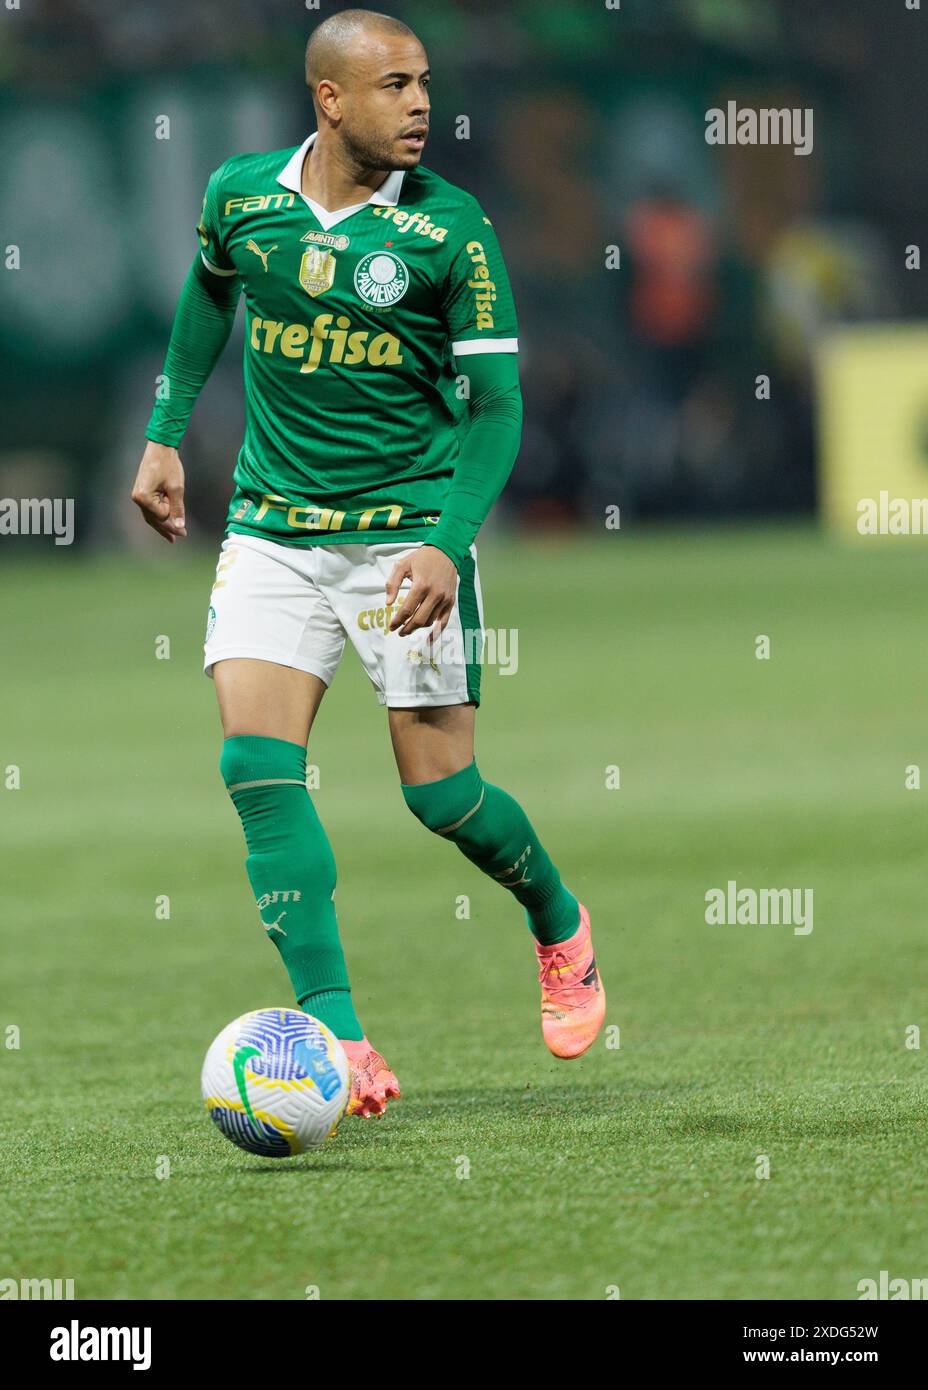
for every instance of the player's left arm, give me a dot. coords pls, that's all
(481, 318)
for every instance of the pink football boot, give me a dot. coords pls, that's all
(573, 1001)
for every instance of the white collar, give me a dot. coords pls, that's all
(290, 176)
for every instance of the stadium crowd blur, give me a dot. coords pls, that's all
(586, 138)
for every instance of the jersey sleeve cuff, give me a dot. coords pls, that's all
(469, 346)
(216, 269)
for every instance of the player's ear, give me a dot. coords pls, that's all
(327, 101)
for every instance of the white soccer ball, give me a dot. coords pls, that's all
(276, 1082)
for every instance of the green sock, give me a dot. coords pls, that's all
(292, 871)
(493, 831)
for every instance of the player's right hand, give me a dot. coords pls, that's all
(159, 491)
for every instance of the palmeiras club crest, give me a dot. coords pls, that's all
(381, 279)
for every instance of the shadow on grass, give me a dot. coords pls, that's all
(361, 1160)
(675, 1110)
(615, 1115)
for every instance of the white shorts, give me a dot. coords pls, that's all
(295, 605)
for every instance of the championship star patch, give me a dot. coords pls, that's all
(317, 270)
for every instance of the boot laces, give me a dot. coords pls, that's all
(566, 994)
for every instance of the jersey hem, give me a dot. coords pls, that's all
(396, 536)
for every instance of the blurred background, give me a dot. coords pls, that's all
(586, 132)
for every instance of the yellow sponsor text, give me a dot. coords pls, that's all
(483, 287)
(259, 202)
(327, 339)
(308, 516)
(412, 222)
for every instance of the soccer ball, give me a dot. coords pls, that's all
(276, 1082)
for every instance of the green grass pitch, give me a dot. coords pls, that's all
(633, 1167)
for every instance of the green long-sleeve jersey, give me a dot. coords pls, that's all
(380, 356)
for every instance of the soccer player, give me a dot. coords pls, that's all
(373, 289)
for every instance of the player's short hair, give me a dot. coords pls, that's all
(330, 43)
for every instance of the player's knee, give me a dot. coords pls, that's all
(234, 764)
(446, 805)
(251, 761)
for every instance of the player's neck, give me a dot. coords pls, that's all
(332, 182)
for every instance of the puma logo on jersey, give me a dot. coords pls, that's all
(253, 246)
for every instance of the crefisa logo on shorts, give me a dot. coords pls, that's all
(210, 622)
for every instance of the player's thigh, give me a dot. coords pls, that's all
(273, 643)
(266, 700)
(432, 742)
